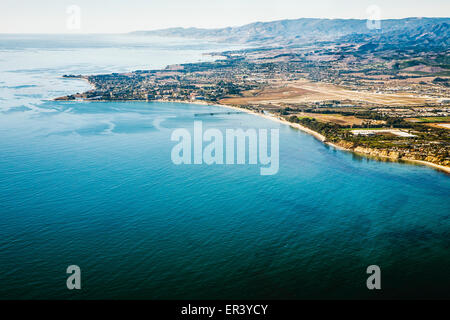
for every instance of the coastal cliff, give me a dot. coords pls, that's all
(395, 155)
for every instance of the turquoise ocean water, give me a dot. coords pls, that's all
(93, 184)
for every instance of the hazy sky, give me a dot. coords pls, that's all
(113, 16)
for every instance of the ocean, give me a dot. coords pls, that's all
(92, 184)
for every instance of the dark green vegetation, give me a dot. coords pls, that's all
(429, 144)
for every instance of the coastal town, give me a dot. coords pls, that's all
(369, 103)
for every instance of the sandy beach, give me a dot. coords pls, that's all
(319, 136)
(315, 134)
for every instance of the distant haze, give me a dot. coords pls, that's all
(118, 16)
(425, 31)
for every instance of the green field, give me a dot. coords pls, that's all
(434, 119)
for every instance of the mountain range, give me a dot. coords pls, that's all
(430, 31)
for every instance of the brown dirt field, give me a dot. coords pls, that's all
(424, 68)
(268, 95)
(439, 125)
(415, 120)
(417, 80)
(301, 91)
(338, 119)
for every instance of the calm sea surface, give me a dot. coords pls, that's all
(93, 184)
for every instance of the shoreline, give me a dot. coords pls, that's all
(316, 135)
(307, 130)
(322, 139)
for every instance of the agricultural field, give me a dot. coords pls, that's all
(340, 119)
(304, 91)
(439, 125)
(430, 119)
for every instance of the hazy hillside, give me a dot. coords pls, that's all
(297, 31)
(431, 35)
(426, 37)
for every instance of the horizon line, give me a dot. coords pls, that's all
(212, 28)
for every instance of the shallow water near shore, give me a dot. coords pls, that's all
(93, 184)
(99, 190)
